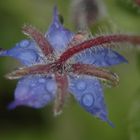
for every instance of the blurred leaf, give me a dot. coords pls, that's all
(130, 5)
(138, 60)
(134, 118)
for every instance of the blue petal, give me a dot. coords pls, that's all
(88, 92)
(25, 51)
(100, 57)
(57, 35)
(34, 92)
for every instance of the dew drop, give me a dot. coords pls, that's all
(32, 85)
(41, 80)
(88, 99)
(21, 93)
(24, 43)
(29, 56)
(81, 85)
(50, 86)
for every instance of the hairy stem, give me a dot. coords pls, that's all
(33, 70)
(42, 69)
(95, 42)
(97, 72)
(39, 38)
(62, 86)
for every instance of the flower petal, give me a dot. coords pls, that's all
(34, 92)
(25, 51)
(57, 35)
(88, 92)
(100, 57)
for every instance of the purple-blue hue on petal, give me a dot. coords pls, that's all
(101, 57)
(25, 51)
(34, 91)
(57, 35)
(88, 92)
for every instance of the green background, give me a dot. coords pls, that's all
(123, 102)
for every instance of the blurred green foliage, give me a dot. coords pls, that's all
(74, 124)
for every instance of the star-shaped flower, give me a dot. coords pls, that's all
(62, 62)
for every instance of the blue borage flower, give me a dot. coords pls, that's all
(37, 90)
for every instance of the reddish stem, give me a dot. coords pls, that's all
(43, 69)
(39, 38)
(62, 86)
(37, 69)
(97, 72)
(95, 42)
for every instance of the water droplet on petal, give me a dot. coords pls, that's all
(50, 86)
(88, 99)
(32, 85)
(41, 80)
(24, 43)
(21, 93)
(81, 85)
(29, 56)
